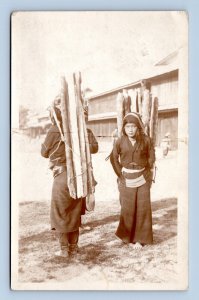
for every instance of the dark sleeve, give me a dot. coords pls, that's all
(114, 158)
(151, 153)
(93, 144)
(48, 143)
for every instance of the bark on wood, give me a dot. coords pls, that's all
(139, 102)
(90, 202)
(146, 110)
(126, 102)
(71, 180)
(80, 127)
(90, 199)
(133, 95)
(75, 138)
(78, 157)
(154, 120)
(120, 113)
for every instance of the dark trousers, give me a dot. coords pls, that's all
(135, 218)
(69, 239)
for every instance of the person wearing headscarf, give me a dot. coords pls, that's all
(65, 213)
(132, 159)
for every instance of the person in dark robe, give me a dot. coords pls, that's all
(133, 158)
(65, 213)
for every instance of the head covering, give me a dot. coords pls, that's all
(135, 119)
(57, 100)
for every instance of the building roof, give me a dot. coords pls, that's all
(169, 59)
(168, 64)
(152, 74)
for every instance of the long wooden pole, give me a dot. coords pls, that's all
(71, 179)
(120, 113)
(80, 126)
(146, 108)
(133, 94)
(154, 120)
(75, 138)
(139, 102)
(90, 199)
(126, 102)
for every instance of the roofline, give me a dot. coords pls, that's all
(171, 55)
(136, 83)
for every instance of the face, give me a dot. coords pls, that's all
(130, 129)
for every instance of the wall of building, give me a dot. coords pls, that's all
(168, 123)
(103, 129)
(103, 104)
(166, 89)
(164, 86)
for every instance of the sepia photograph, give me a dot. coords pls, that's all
(99, 150)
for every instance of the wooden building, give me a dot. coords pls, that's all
(37, 125)
(163, 84)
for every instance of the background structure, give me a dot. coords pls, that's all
(109, 54)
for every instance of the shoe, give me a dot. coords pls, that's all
(85, 228)
(73, 249)
(62, 253)
(136, 246)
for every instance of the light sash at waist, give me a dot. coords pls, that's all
(132, 170)
(133, 183)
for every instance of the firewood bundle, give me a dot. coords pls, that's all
(78, 158)
(141, 101)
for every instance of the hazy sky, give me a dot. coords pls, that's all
(107, 47)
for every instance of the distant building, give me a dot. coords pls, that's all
(37, 124)
(163, 79)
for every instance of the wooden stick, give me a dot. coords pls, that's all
(90, 199)
(139, 102)
(154, 120)
(120, 113)
(90, 202)
(80, 126)
(146, 110)
(126, 102)
(133, 95)
(71, 180)
(75, 138)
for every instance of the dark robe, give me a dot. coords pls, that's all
(65, 212)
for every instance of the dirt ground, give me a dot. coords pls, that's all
(102, 258)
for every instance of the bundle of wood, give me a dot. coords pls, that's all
(78, 158)
(141, 101)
